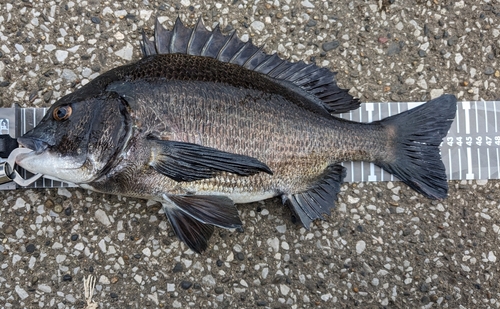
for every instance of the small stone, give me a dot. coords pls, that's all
(58, 208)
(138, 278)
(49, 204)
(67, 277)
(208, 280)
(95, 19)
(9, 230)
(307, 4)
(360, 246)
(30, 248)
(327, 46)
(355, 289)
(177, 268)
(126, 52)
(21, 292)
(489, 71)
(219, 263)
(311, 23)
(113, 295)
(219, 290)
(491, 257)
(74, 237)
(393, 49)
(240, 256)
(422, 53)
(101, 216)
(186, 284)
(497, 73)
(67, 211)
(61, 55)
(424, 288)
(69, 76)
(257, 25)
(261, 303)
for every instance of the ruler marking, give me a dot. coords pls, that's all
(479, 163)
(489, 165)
(469, 174)
(352, 174)
(459, 163)
(449, 164)
(498, 164)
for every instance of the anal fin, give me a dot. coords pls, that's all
(312, 204)
(193, 217)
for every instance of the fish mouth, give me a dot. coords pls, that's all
(37, 145)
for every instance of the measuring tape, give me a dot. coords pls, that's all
(469, 151)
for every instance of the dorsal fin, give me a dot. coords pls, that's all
(199, 41)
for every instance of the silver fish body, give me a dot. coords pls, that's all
(204, 121)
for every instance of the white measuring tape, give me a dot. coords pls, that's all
(469, 151)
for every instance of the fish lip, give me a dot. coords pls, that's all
(37, 145)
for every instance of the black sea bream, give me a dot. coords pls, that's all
(204, 121)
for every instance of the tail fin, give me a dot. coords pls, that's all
(418, 134)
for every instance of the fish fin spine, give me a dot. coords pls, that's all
(318, 82)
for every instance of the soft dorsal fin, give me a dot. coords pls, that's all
(199, 41)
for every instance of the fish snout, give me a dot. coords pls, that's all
(35, 144)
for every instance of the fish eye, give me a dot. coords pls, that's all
(62, 112)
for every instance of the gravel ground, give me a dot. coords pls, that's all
(385, 245)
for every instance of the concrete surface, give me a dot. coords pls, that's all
(384, 247)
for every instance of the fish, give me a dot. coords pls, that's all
(204, 121)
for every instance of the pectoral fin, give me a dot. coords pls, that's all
(188, 162)
(193, 217)
(319, 199)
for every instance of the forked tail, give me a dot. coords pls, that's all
(415, 157)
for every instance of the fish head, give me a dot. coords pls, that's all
(77, 141)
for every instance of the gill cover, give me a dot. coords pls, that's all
(77, 141)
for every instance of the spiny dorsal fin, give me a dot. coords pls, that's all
(198, 41)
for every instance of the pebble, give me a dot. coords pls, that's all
(436, 93)
(208, 280)
(138, 278)
(126, 52)
(101, 216)
(491, 257)
(61, 55)
(257, 25)
(69, 75)
(327, 46)
(30, 248)
(219, 290)
(44, 288)
(186, 284)
(21, 292)
(58, 208)
(177, 268)
(489, 71)
(360, 246)
(67, 277)
(95, 19)
(393, 49)
(307, 4)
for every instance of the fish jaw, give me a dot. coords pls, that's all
(54, 166)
